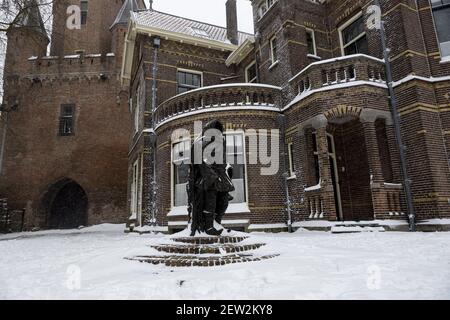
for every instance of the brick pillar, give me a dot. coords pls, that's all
(329, 206)
(394, 153)
(302, 171)
(379, 196)
(373, 153)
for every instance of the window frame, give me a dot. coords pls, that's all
(134, 192)
(255, 79)
(313, 36)
(344, 26)
(137, 109)
(84, 13)
(444, 58)
(172, 169)
(272, 56)
(200, 73)
(63, 117)
(244, 157)
(291, 164)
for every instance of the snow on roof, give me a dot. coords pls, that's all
(172, 23)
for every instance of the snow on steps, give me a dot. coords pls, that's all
(180, 250)
(357, 228)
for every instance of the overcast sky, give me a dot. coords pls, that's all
(211, 11)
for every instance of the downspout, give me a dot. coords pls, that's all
(2, 150)
(397, 125)
(282, 122)
(153, 137)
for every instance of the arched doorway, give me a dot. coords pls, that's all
(65, 205)
(351, 174)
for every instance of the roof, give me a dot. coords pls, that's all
(184, 26)
(30, 17)
(124, 13)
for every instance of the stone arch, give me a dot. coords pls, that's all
(65, 205)
(342, 111)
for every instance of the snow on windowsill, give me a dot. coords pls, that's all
(151, 229)
(267, 226)
(314, 188)
(445, 59)
(313, 56)
(273, 65)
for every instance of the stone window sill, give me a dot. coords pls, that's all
(313, 56)
(445, 59)
(273, 65)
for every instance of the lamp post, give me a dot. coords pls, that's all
(153, 137)
(397, 127)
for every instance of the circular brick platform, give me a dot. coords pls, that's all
(206, 249)
(210, 240)
(198, 261)
(203, 252)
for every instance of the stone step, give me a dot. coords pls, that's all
(356, 229)
(206, 248)
(210, 240)
(198, 261)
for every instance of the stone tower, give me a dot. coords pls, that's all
(66, 143)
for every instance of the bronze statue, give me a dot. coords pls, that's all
(210, 180)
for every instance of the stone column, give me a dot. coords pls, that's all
(394, 153)
(320, 125)
(379, 196)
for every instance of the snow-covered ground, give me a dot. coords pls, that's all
(89, 264)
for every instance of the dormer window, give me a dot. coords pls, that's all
(200, 33)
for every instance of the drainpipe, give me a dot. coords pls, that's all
(153, 205)
(2, 150)
(282, 122)
(396, 120)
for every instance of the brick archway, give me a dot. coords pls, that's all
(65, 205)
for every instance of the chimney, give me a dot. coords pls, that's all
(232, 25)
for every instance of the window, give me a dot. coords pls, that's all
(441, 14)
(291, 159)
(188, 80)
(181, 153)
(250, 73)
(274, 50)
(353, 36)
(180, 158)
(316, 159)
(311, 42)
(66, 120)
(200, 33)
(84, 11)
(236, 157)
(138, 107)
(136, 198)
(264, 7)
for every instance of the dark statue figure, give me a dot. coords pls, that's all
(210, 181)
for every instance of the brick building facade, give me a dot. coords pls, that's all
(312, 74)
(313, 70)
